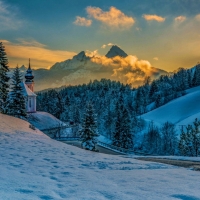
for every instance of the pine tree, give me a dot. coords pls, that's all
(4, 78)
(153, 89)
(89, 129)
(189, 144)
(122, 136)
(196, 77)
(17, 104)
(169, 138)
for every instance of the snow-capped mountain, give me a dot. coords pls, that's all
(115, 51)
(115, 65)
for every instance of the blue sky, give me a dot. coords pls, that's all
(164, 32)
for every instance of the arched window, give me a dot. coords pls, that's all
(30, 102)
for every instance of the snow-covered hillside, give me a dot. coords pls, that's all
(35, 167)
(181, 111)
(44, 120)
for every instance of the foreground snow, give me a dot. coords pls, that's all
(35, 167)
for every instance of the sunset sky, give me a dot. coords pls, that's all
(164, 32)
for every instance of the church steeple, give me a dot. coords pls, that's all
(29, 77)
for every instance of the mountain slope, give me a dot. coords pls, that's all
(180, 111)
(35, 167)
(115, 51)
(115, 65)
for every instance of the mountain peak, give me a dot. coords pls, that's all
(115, 51)
(80, 56)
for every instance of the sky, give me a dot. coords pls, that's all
(164, 32)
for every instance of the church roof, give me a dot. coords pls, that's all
(26, 90)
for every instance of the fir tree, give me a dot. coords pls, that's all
(89, 133)
(122, 136)
(17, 104)
(196, 77)
(4, 78)
(189, 144)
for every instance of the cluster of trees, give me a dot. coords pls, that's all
(164, 89)
(119, 106)
(161, 141)
(189, 144)
(12, 100)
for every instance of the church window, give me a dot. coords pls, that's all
(30, 103)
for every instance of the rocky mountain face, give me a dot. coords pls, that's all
(115, 65)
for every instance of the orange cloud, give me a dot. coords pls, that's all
(82, 21)
(128, 70)
(180, 19)
(197, 17)
(41, 56)
(154, 17)
(113, 18)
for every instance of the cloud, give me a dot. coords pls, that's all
(180, 19)
(197, 17)
(8, 18)
(110, 44)
(154, 17)
(128, 70)
(92, 53)
(155, 58)
(113, 18)
(82, 21)
(41, 56)
(103, 46)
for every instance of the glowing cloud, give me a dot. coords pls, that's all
(103, 46)
(180, 19)
(128, 70)
(154, 18)
(8, 18)
(197, 17)
(41, 56)
(113, 18)
(155, 58)
(82, 21)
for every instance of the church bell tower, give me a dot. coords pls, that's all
(29, 78)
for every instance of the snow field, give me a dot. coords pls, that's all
(35, 167)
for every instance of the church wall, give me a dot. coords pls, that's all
(31, 104)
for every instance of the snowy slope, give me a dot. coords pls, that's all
(182, 110)
(44, 120)
(34, 167)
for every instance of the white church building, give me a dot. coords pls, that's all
(28, 89)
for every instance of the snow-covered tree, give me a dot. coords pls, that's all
(196, 77)
(189, 144)
(4, 78)
(17, 99)
(169, 138)
(122, 136)
(88, 132)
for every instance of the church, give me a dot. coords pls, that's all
(28, 90)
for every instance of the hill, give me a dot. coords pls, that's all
(35, 167)
(180, 111)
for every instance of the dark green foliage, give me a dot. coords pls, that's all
(122, 136)
(189, 144)
(88, 132)
(152, 140)
(17, 100)
(169, 138)
(196, 77)
(4, 86)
